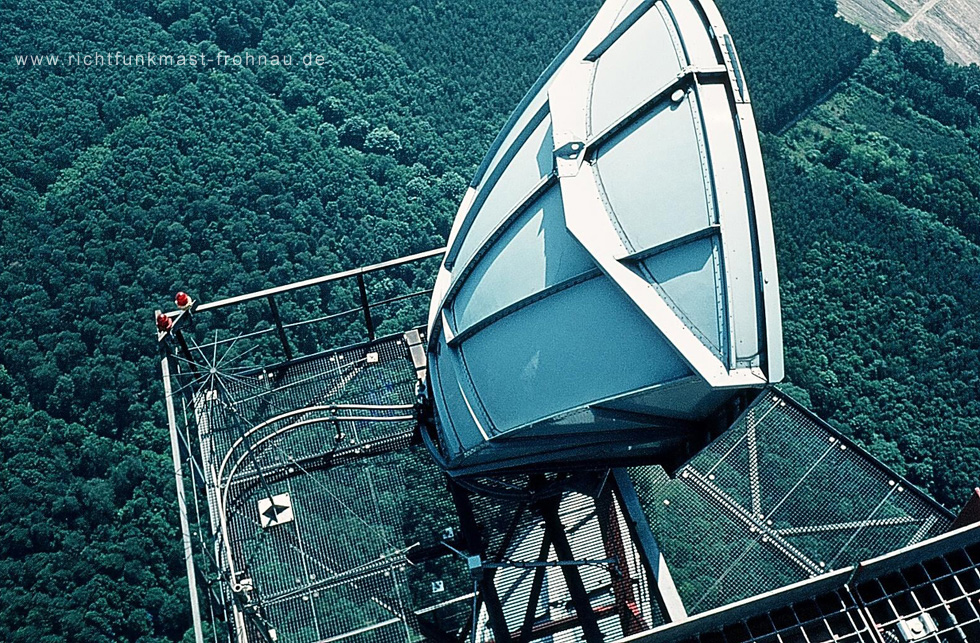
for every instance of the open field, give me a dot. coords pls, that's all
(954, 25)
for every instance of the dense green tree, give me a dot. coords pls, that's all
(792, 53)
(875, 207)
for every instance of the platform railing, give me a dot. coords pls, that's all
(184, 371)
(365, 305)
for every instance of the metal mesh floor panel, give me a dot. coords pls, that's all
(320, 509)
(833, 618)
(778, 498)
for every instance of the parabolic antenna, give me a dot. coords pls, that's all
(610, 283)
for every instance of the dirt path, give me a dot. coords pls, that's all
(954, 25)
(917, 17)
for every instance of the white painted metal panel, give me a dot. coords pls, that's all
(611, 272)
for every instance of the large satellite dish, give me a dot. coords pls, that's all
(610, 282)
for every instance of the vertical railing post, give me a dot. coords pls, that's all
(279, 328)
(660, 581)
(365, 306)
(185, 529)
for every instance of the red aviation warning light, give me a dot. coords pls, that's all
(183, 301)
(164, 323)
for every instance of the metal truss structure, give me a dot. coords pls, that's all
(312, 510)
(562, 557)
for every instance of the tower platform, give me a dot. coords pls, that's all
(314, 509)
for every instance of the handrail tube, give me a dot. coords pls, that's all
(230, 301)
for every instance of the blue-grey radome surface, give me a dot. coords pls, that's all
(611, 277)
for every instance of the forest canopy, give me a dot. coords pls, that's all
(121, 185)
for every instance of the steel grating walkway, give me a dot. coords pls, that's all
(317, 499)
(778, 498)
